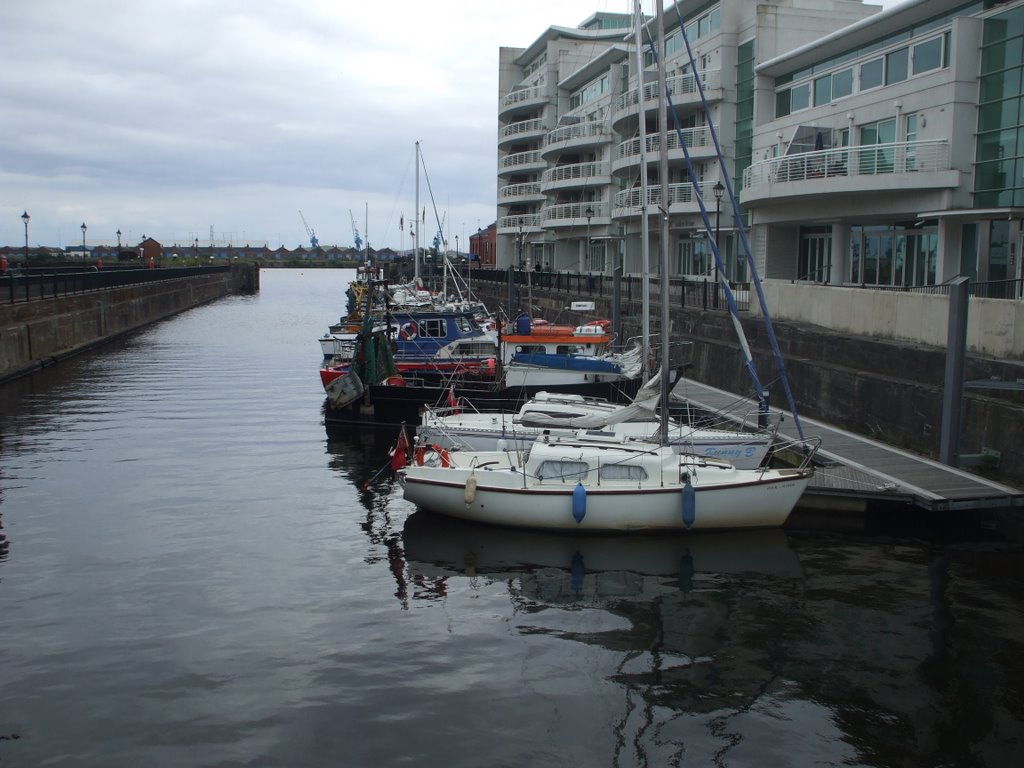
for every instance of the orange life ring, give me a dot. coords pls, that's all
(606, 324)
(421, 455)
(408, 331)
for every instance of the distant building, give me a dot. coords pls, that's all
(482, 247)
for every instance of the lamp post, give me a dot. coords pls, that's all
(589, 213)
(83, 240)
(195, 250)
(719, 190)
(119, 243)
(25, 217)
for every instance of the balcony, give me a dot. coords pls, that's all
(682, 89)
(681, 199)
(575, 175)
(579, 136)
(698, 142)
(525, 130)
(521, 100)
(906, 165)
(521, 162)
(574, 214)
(511, 225)
(528, 192)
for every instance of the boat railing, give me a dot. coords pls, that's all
(798, 452)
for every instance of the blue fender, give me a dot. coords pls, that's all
(689, 503)
(579, 502)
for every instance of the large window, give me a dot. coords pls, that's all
(999, 169)
(903, 255)
(826, 82)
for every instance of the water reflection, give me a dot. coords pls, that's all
(689, 621)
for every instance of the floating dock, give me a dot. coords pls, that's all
(856, 468)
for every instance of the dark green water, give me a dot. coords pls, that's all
(192, 573)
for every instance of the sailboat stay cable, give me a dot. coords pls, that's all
(779, 361)
(756, 280)
(748, 359)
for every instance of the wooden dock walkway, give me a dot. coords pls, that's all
(852, 466)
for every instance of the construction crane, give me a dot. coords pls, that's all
(313, 242)
(355, 232)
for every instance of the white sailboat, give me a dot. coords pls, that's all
(599, 480)
(456, 428)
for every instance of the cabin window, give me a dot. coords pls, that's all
(622, 472)
(568, 349)
(464, 324)
(566, 471)
(434, 328)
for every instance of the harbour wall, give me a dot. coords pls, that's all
(34, 334)
(888, 390)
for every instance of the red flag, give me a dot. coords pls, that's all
(452, 401)
(399, 454)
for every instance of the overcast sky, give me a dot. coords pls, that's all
(168, 117)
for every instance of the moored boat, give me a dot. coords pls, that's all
(600, 480)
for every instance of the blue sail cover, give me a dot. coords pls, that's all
(581, 363)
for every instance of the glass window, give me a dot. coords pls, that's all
(842, 83)
(566, 471)
(998, 115)
(928, 55)
(997, 145)
(622, 472)
(782, 103)
(999, 56)
(1001, 85)
(800, 97)
(871, 74)
(823, 90)
(896, 66)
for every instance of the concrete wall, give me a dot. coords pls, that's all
(994, 326)
(38, 333)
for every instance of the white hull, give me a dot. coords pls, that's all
(504, 488)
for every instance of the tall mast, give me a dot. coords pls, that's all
(663, 174)
(416, 225)
(645, 247)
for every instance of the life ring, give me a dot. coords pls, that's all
(408, 331)
(605, 324)
(421, 455)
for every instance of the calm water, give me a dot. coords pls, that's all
(193, 574)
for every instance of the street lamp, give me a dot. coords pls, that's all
(589, 213)
(83, 240)
(119, 243)
(719, 190)
(25, 217)
(195, 250)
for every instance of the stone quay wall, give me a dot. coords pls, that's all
(888, 390)
(34, 334)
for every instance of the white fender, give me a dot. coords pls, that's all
(469, 492)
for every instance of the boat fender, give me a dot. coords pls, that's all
(469, 492)
(689, 502)
(579, 502)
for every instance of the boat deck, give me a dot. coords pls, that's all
(854, 466)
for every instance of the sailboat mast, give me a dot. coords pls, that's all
(663, 179)
(645, 247)
(416, 219)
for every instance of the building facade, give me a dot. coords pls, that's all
(864, 147)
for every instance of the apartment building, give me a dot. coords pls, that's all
(865, 147)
